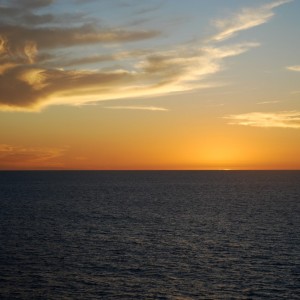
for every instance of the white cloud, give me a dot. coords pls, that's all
(281, 119)
(246, 19)
(267, 102)
(151, 108)
(295, 68)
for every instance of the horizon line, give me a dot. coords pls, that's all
(144, 170)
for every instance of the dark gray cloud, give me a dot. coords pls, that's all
(31, 4)
(16, 15)
(56, 37)
(24, 86)
(30, 43)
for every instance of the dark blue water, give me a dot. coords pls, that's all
(150, 235)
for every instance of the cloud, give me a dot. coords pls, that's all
(21, 32)
(282, 119)
(31, 87)
(27, 13)
(17, 38)
(146, 10)
(151, 108)
(43, 65)
(33, 3)
(121, 56)
(268, 102)
(246, 19)
(19, 157)
(295, 68)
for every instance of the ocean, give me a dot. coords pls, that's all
(150, 235)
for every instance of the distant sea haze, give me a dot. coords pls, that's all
(150, 235)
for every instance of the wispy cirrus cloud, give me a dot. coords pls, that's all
(150, 108)
(295, 68)
(44, 63)
(19, 156)
(268, 102)
(281, 119)
(245, 19)
(91, 59)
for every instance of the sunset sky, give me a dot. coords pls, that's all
(156, 84)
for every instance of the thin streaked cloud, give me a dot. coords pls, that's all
(268, 102)
(150, 108)
(215, 104)
(295, 68)
(281, 119)
(247, 18)
(20, 156)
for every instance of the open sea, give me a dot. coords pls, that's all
(150, 235)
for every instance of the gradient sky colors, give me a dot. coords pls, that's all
(160, 84)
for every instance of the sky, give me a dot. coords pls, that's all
(149, 85)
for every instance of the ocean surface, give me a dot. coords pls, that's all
(150, 235)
